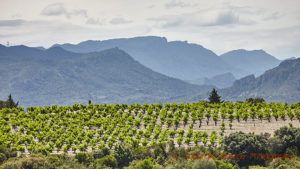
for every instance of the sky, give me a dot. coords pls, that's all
(218, 25)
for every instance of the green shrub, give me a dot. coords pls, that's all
(107, 161)
(83, 158)
(35, 161)
(144, 164)
(204, 164)
(223, 165)
(123, 154)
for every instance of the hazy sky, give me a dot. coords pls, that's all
(219, 25)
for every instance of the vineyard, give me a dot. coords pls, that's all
(80, 128)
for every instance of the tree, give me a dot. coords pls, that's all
(214, 97)
(284, 138)
(107, 161)
(255, 100)
(83, 158)
(144, 164)
(246, 144)
(123, 154)
(10, 103)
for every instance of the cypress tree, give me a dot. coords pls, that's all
(10, 103)
(214, 97)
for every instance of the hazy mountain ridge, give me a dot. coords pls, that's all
(65, 74)
(220, 81)
(177, 59)
(254, 62)
(281, 83)
(57, 76)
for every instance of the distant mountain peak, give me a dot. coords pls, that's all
(252, 61)
(114, 50)
(246, 51)
(56, 48)
(40, 47)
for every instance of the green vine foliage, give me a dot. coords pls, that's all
(81, 128)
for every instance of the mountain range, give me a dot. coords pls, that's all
(140, 70)
(178, 59)
(57, 76)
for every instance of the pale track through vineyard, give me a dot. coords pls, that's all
(80, 128)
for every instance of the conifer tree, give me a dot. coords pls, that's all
(10, 103)
(214, 97)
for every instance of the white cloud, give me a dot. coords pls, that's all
(55, 10)
(169, 21)
(9, 23)
(178, 3)
(95, 21)
(117, 21)
(226, 18)
(59, 9)
(79, 12)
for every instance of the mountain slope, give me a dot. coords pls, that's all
(177, 59)
(220, 81)
(281, 83)
(254, 62)
(56, 76)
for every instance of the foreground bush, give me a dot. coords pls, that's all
(107, 161)
(32, 162)
(205, 164)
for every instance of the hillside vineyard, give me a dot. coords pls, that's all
(76, 128)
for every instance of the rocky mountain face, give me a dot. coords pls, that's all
(281, 83)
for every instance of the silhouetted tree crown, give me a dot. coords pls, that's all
(255, 100)
(214, 97)
(9, 103)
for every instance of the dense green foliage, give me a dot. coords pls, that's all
(255, 100)
(241, 143)
(284, 138)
